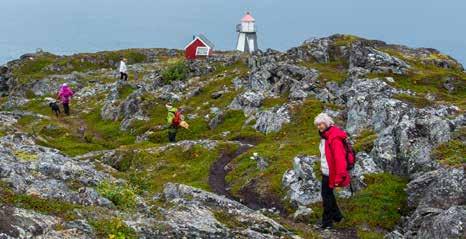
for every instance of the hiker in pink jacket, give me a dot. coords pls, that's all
(64, 95)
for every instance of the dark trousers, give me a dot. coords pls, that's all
(172, 134)
(123, 76)
(66, 108)
(331, 210)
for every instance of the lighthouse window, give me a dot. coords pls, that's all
(202, 51)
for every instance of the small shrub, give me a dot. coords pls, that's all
(175, 72)
(113, 228)
(122, 196)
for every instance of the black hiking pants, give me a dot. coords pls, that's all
(331, 210)
(66, 108)
(123, 76)
(172, 134)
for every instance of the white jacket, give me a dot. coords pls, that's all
(123, 67)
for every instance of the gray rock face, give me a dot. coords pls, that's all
(449, 223)
(406, 134)
(272, 120)
(20, 223)
(446, 187)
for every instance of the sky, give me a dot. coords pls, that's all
(72, 26)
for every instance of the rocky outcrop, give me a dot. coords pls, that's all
(202, 214)
(35, 170)
(438, 199)
(406, 134)
(374, 60)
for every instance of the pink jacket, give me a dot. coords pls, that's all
(65, 94)
(335, 154)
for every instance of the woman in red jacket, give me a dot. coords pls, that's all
(333, 166)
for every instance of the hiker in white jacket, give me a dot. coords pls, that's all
(123, 70)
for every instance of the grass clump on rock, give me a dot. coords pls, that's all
(123, 196)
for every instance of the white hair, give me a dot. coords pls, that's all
(64, 84)
(323, 118)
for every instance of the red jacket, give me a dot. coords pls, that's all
(335, 154)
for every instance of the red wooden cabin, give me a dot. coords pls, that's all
(200, 46)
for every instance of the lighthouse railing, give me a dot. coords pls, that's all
(246, 28)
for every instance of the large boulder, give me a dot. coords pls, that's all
(272, 120)
(438, 199)
(302, 185)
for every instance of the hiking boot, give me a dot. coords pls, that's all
(338, 219)
(326, 226)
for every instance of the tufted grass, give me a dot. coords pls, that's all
(364, 141)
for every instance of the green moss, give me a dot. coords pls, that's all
(228, 220)
(113, 228)
(123, 196)
(46, 206)
(25, 156)
(451, 153)
(416, 101)
(364, 142)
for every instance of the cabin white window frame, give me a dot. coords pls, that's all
(202, 51)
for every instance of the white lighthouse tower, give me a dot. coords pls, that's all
(247, 38)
